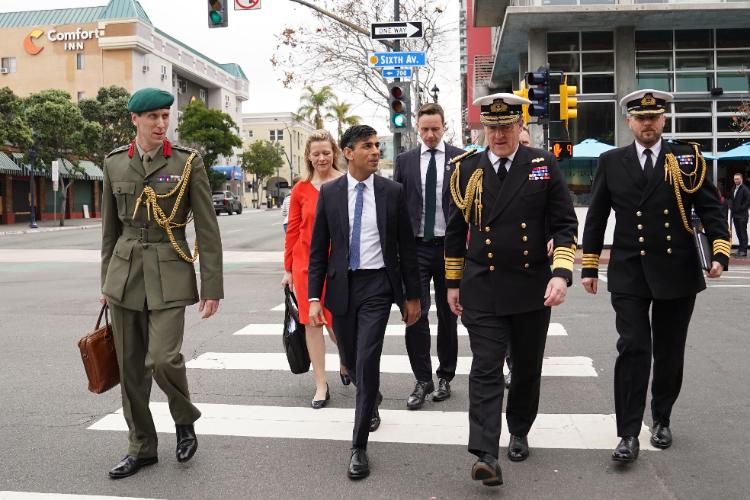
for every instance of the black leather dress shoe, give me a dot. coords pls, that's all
(345, 378)
(627, 450)
(487, 470)
(359, 467)
(187, 442)
(518, 448)
(317, 404)
(421, 390)
(130, 465)
(375, 420)
(661, 436)
(443, 391)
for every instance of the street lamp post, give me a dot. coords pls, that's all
(32, 183)
(434, 91)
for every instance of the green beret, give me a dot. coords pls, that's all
(149, 99)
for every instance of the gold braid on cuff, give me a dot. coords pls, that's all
(590, 261)
(722, 247)
(454, 268)
(564, 257)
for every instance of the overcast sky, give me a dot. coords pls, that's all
(249, 40)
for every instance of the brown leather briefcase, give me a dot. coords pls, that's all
(99, 356)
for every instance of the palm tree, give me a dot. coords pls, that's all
(338, 111)
(313, 103)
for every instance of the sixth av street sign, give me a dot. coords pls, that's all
(396, 30)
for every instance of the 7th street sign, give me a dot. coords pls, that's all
(396, 30)
(396, 59)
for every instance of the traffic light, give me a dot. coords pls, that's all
(538, 82)
(218, 14)
(399, 106)
(562, 149)
(524, 92)
(568, 102)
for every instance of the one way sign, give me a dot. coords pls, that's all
(396, 30)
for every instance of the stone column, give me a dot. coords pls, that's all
(624, 79)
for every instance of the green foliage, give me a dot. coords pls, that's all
(110, 110)
(13, 126)
(262, 159)
(338, 111)
(216, 179)
(313, 102)
(211, 131)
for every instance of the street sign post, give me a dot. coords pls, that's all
(246, 4)
(397, 73)
(396, 59)
(396, 30)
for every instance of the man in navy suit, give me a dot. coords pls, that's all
(363, 248)
(425, 172)
(739, 203)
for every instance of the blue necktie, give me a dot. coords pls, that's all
(356, 227)
(430, 197)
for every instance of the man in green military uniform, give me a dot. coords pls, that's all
(151, 188)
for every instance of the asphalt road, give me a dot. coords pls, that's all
(46, 413)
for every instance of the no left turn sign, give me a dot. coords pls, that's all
(246, 4)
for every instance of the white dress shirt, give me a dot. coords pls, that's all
(370, 252)
(424, 161)
(655, 150)
(495, 160)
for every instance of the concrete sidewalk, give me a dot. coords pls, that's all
(49, 226)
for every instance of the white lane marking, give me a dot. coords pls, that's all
(563, 431)
(573, 366)
(271, 329)
(727, 286)
(31, 495)
(394, 308)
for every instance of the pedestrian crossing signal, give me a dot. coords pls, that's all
(399, 106)
(562, 149)
(217, 14)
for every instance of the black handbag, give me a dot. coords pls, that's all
(295, 343)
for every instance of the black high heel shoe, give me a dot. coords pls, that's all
(317, 404)
(345, 379)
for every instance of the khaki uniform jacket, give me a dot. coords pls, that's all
(140, 268)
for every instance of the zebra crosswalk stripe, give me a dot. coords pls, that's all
(271, 329)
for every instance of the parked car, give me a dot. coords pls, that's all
(225, 201)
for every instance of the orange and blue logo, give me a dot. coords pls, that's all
(29, 45)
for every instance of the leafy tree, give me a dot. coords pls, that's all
(216, 179)
(314, 102)
(262, 160)
(61, 132)
(741, 121)
(338, 111)
(211, 131)
(13, 127)
(110, 110)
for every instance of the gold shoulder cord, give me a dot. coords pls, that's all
(676, 177)
(167, 223)
(473, 195)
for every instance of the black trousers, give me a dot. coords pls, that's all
(431, 261)
(360, 334)
(664, 336)
(490, 336)
(740, 227)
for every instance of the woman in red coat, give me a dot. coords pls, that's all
(321, 153)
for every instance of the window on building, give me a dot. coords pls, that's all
(587, 59)
(693, 61)
(250, 134)
(81, 95)
(276, 135)
(226, 102)
(202, 95)
(80, 61)
(181, 86)
(8, 64)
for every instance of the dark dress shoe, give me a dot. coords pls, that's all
(345, 378)
(375, 420)
(487, 470)
(518, 448)
(421, 390)
(317, 404)
(507, 380)
(443, 391)
(130, 465)
(187, 442)
(661, 436)
(359, 467)
(627, 450)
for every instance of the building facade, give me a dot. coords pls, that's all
(80, 50)
(700, 51)
(292, 135)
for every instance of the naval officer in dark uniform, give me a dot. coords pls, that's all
(652, 186)
(500, 282)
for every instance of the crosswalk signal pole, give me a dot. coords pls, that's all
(397, 47)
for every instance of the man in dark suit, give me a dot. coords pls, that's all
(654, 263)
(508, 198)
(425, 173)
(739, 204)
(363, 247)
